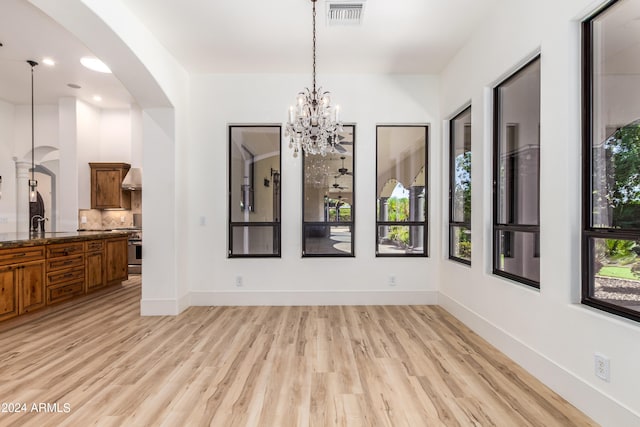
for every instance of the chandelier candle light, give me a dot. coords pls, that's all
(313, 123)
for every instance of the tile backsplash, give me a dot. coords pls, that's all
(98, 219)
(95, 219)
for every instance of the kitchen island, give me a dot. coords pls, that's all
(42, 269)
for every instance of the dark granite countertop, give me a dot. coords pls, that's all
(16, 240)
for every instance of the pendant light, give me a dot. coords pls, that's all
(33, 184)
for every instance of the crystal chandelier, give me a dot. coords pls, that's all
(313, 123)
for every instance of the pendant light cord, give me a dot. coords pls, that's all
(32, 183)
(33, 162)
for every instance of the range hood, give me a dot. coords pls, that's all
(133, 179)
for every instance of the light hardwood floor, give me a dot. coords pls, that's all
(265, 366)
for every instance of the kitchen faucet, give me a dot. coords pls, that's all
(39, 219)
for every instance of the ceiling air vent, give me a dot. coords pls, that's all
(344, 12)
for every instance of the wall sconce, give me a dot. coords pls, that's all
(275, 175)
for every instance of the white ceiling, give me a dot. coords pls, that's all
(27, 33)
(249, 36)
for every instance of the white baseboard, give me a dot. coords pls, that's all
(601, 408)
(284, 298)
(160, 307)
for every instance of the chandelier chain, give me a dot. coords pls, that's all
(314, 47)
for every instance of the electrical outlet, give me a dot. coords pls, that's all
(239, 281)
(83, 219)
(602, 367)
(392, 280)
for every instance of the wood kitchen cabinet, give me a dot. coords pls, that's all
(31, 285)
(8, 292)
(96, 265)
(106, 186)
(65, 271)
(116, 254)
(22, 281)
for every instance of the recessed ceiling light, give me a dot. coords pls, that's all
(73, 86)
(48, 61)
(97, 98)
(94, 64)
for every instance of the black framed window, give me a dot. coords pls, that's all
(516, 176)
(401, 205)
(254, 190)
(611, 154)
(328, 194)
(460, 187)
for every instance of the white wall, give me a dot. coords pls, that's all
(89, 149)
(116, 136)
(219, 100)
(546, 331)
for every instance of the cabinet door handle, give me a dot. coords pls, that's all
(23, 254)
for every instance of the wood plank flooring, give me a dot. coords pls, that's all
(264, 366)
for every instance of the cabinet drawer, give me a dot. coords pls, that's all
(65, 262)
(64, 249)
(57, 277)
(63, 292)
(95, 245)
(20, 255)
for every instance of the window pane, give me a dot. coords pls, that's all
(615, 97)
(460, 240)
(400, 239)
(517, 254)
(461, 167)
(615, 271)
(518, 154)
(254, 175)
(328, 198)
(254, 240)
(615, 141)
(401, 173)
(323, 239)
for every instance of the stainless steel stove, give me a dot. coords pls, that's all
(135, 251)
